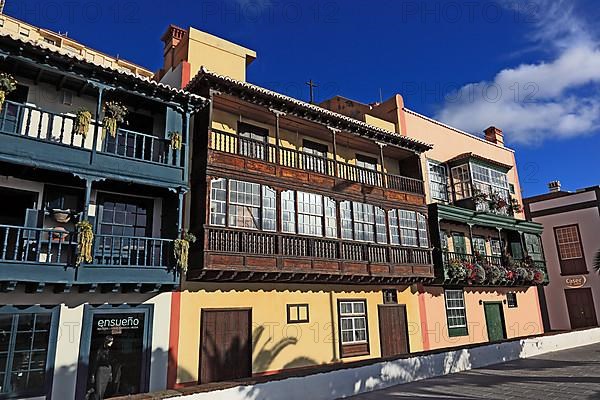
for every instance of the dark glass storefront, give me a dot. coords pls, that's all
(115, 351)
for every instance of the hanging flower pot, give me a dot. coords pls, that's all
(85, 242)
(176, 140)
(114, 113)
(539, 276)
(7, 84)
(82, 122)
(181, 250)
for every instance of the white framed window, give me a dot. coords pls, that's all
(461, 181)
(288, 211)
(380, 226)
(353, 322)
(364, 222)
(310, 214)
(346, 220)
(218, 201)
(269, 209)
(479, 245)
(455, 311)
(330, 218)
(244, 204)
(438, 181)
(488, 181)
(408, 228)
(496, 247)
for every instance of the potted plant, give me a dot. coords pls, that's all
(456, 271)
(494, 274)
(114, 113)
(514, 207)
(176, 140)
(476, 273)
(83, 119)
(479, 198)
(181, 249)
(539, 276)
(7, 84)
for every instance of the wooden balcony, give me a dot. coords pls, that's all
(267, 158)
(36, 257)
(38, 137)
(232, 254)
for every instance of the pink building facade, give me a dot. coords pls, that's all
(571, 223)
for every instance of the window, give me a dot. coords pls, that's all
(366, 162)
(24, 32)
(438, 181)
(488, 180)
(461, 182)
(496, 246)
(533, 244)
(444, 240)
(297, 313)
(459, 243)
(390, 296)
(479, 245)
(317, 159)
(363, 222)
(50, 41)
(511, 300)
(251, 206)
(125, 216)
(568, 243)
(353, 322)
(24, 341)
(253, 141)
(244, 204)
(288, 213)
(408, 228)
(456, 313)
(310, 214)
(316, 214)
(368, 174)
(218, 201)
(269, 214)
(567, 239)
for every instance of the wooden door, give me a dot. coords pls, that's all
(494, 320)
(393, 333)
(580, 303)
(225, 347)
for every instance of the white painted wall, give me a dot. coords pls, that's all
(70, 328)
(353, 381)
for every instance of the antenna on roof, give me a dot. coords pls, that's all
(380, 96)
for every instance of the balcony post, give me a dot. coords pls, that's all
(88, 195)
(99, 117)
(336, 169)
(471, 239)
(185, 152)
(278, 115)
(383, 171)
(180, 194)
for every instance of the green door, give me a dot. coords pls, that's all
(494, 320)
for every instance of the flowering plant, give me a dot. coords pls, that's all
(456, 270)
(539, 276)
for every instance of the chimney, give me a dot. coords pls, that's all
(554, 186)
(171, 39)
(494, 135)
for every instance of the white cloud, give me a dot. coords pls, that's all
(534, 102)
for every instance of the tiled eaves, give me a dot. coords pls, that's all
(250, 92)
(23, 44)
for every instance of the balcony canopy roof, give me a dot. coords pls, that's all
(465, 157)
(470, 217)
(259, 95)
(52, 60)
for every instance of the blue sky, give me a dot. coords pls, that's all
(529, 67)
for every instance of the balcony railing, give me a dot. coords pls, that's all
(235, 144)
(492, 260)
(38, 124)
(58, 247)
(276, 244)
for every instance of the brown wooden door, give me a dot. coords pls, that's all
(580, 303)
(225, 348)
(393, 333)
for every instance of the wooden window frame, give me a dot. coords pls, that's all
(289, 307)
(571, 266)
(458, 330)
(512, 303)
(353, 349)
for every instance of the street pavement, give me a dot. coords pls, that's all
(568, 374)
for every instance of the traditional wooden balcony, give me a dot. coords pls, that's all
(233, 254)
(42, 138)
(37, 257)
(271, 159)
